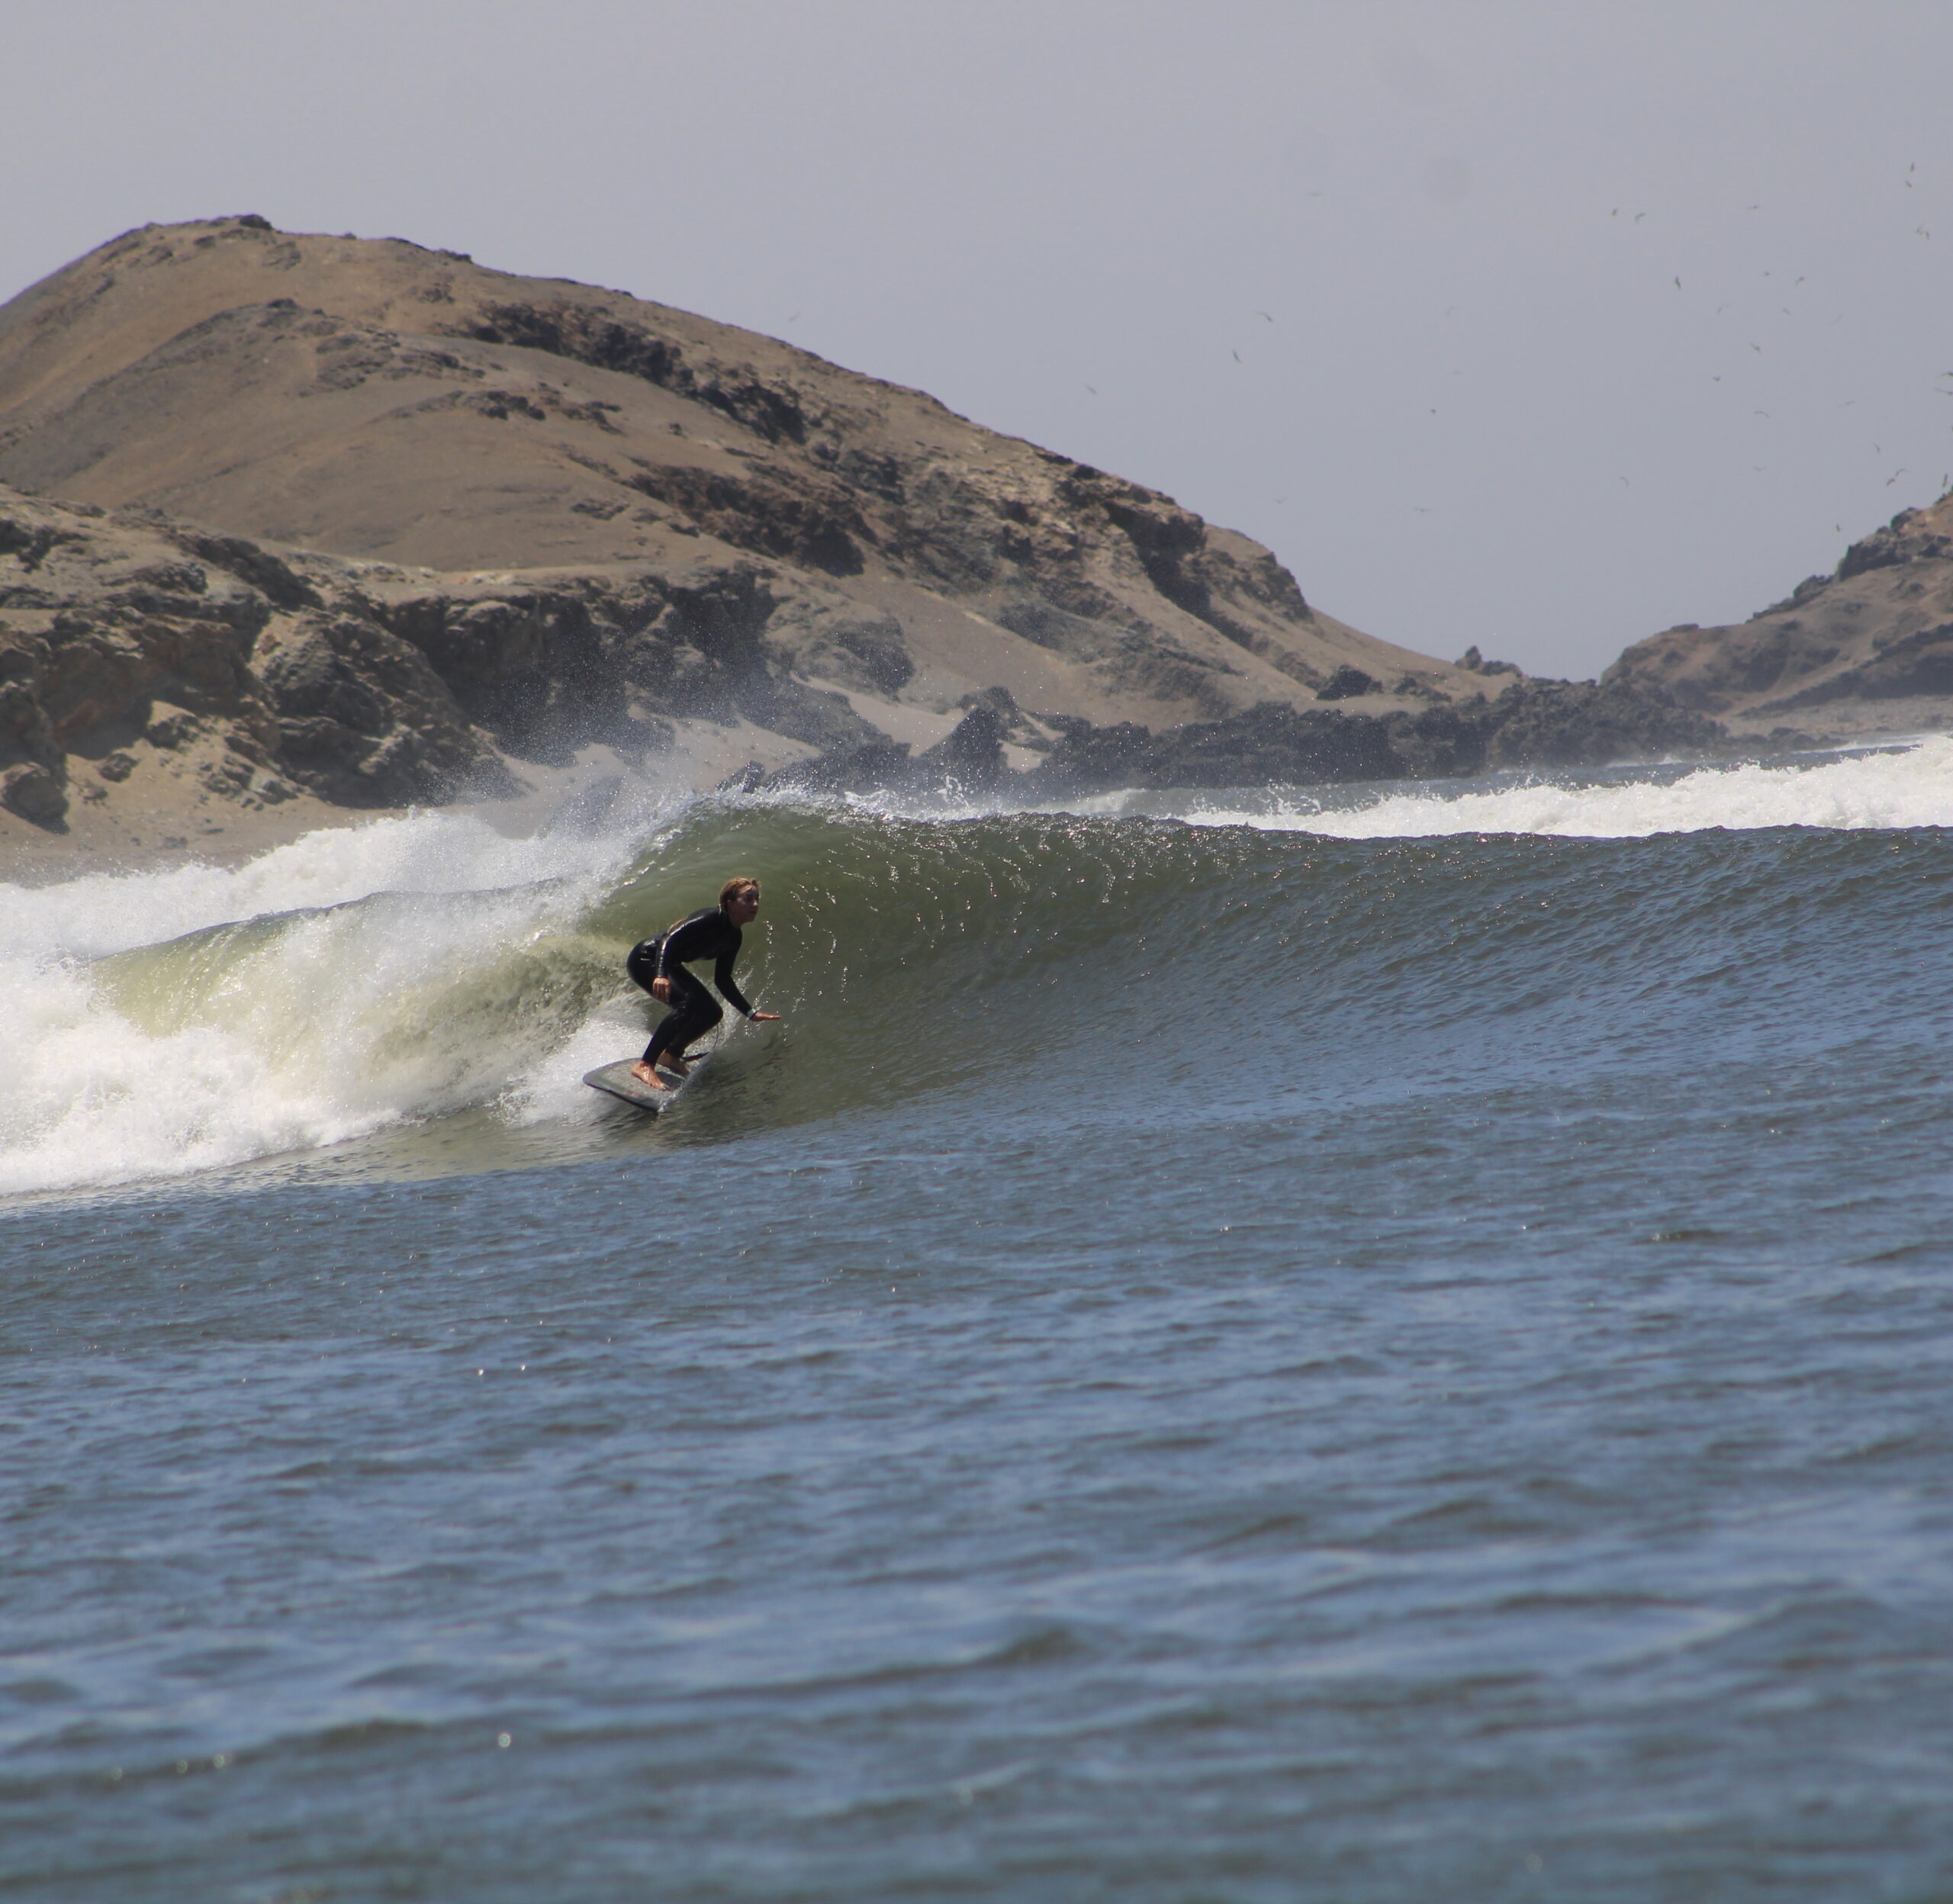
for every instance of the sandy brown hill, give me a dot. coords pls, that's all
(1866, 650)
(373, 399)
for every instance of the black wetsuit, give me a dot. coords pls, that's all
(709, 935)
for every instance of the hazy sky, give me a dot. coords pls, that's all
(1390, 286)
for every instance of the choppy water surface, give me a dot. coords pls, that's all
(1232, 1348)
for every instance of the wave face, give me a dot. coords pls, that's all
(1269, 951)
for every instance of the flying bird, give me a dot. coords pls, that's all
(1264, 316)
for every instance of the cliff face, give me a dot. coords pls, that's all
(376, 401)
(260, 672)
(1867, 649)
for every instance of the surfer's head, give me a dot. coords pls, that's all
(739, 900)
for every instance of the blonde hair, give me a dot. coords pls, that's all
(733, 888)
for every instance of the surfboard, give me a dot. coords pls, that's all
(616, 1079)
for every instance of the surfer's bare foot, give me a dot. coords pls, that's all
(646, 1075)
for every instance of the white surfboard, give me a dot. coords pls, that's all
(616, 1079)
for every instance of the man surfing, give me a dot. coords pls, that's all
(658, 964)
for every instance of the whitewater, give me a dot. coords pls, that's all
(1375, 1344)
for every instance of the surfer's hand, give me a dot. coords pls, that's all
(766, 1017)
(660, 990)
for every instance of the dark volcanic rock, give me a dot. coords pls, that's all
(1271, 743)
(1443, 742)
(1532, 724)
(872, 769)
(1346, 683)
(1545, 724)
(1538, 723)
(969, 757)
(34, 792)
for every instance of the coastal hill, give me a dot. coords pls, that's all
(299, 525)
(1867, 650)
(595, 516)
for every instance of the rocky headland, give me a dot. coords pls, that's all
(1867, 650)
(294, 526)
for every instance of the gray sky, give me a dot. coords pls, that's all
(1389, 286)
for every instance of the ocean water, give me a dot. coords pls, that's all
(1247, 1346)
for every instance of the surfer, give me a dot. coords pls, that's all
(658, 964)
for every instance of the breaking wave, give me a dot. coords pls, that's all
(369, 979)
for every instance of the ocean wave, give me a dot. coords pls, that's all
(369, 977)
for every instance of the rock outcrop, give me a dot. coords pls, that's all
(266, 671)
(1866, 649)
(1531, 724)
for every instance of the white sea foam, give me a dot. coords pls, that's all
(1911, 787)
(322, 1020)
